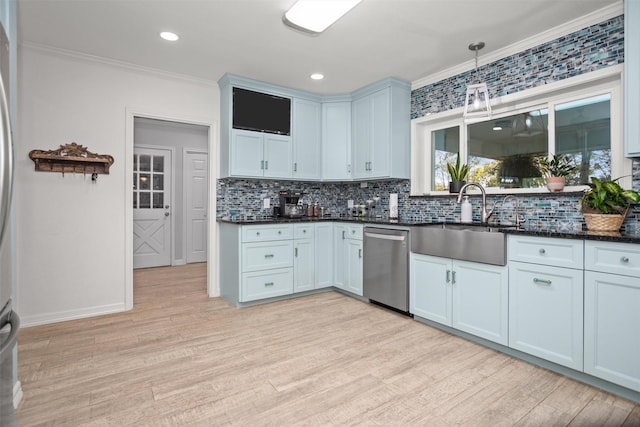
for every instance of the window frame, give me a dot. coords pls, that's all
(608, 80)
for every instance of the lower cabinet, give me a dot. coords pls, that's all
(612, 312)
(545, 312)
(304, 277)
(347, 257)
(468, 296)
(324, 254)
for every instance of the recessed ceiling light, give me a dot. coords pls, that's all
(497, 128)
(317, 76)
(315, 16)
(168, 35)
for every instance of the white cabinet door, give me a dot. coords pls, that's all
(354, 266)
(306, 137)
(379, 149)
(546, 312)
(430, 288)
(303, 265)
(480, 300)
(324, 254)
(277, 156)
(339, 256)
(336, 141)
(246, 153)
(361, 126)
(612, 328)
(631, 83)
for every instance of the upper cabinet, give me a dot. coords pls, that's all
(307, 136)
(336, 141)
(631, 81)
(362, 135)
(381, 135)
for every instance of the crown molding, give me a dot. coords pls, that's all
(577, 24)
(50, 50)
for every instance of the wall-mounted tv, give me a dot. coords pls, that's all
(261, 112)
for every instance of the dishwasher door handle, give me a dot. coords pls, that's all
(384, 236)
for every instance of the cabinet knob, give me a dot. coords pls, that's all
(279, 232)
(304, 231)
(257, 233)
(624, 259)
(542, 251)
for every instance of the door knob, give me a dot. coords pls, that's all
(167, 214)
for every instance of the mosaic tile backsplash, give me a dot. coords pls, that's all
(546, 210)
(592, 48)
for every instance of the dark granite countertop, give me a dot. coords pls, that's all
(630, 236)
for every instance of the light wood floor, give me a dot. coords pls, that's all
(180, 358)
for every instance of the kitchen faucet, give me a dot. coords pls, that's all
(485, 214)
(515, 202)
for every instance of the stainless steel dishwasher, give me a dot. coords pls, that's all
(386, 267)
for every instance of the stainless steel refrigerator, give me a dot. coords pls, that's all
(9, 320)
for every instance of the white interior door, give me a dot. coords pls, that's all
(151, 207)
(196, 201)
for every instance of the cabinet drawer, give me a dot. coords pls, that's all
(608, 257)
(263, 233)
(266, 284)
(267, 255)
(354, 232)
(546, 251)
(303, 231)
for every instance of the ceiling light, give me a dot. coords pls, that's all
(315, 16)
(477, 105)
(497, 127)
(317, 76)
(169, 36)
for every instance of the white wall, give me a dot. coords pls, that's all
(71, 237)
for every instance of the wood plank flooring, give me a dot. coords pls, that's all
(181, 358)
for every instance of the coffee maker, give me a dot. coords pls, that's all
(289, 204)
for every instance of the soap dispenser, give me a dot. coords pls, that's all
(466, 211)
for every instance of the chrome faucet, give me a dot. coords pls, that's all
(515, 201)
(485, 215)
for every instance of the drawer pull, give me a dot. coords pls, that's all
(269, 284)
(624, 259)
(279, 231)
(448, 276)
(304, 231)
(257, 233)
(542, 251)
(269, 255)
(542, 281)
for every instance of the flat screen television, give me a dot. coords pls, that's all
(261, 112)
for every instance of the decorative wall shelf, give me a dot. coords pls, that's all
(71, 158)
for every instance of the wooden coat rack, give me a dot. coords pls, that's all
(71, 158)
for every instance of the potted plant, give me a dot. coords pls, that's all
(555, 169)
(605, 204)
(458, 175)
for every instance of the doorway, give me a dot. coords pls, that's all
(170, 209)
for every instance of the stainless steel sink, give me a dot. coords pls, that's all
(467, 242)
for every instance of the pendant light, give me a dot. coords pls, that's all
(477, 105)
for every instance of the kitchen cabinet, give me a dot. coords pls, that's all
(304, 276)
(381, 131)
(546, 298)
(266, 262)
(323, 254)
(468, 296)
(307, 139)
(347, 259)
(612, 317)
(262, 155)
(336, 141)
(631, 82)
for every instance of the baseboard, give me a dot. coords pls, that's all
(62, 316)
(179, 262)
(17, 394)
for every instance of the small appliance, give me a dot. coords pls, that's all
(289, 207)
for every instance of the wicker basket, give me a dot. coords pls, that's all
(604, 222)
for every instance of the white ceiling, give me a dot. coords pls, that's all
(409, 39)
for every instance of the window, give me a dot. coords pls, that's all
(581, 118)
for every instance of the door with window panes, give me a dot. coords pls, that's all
(151, 207)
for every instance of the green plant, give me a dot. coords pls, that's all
(458, 172)
(556, 165)
(607, 197)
